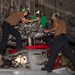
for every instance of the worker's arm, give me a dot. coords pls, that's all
(53, 29)
(26, 20)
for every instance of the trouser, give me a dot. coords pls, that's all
(60, 42)
(47, 39)
(6, 30)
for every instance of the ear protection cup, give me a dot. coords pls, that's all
(23, 9)
(56, 15)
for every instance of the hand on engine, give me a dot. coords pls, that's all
(45, 30)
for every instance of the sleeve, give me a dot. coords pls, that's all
(33, 17)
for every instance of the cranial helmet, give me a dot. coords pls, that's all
(57, 14)
(23, 9)
(39, 12)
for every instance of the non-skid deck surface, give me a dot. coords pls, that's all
(22, 71)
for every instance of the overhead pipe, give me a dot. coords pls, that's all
(60, 2)
(55, 5)
(59, 10)
(2, 5)
(36, 3)
(41, 3)
(11, 3)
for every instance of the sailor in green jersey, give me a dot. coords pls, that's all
(43, 23)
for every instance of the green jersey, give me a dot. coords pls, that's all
(42, 20)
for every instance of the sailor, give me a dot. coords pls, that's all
(8, 28)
